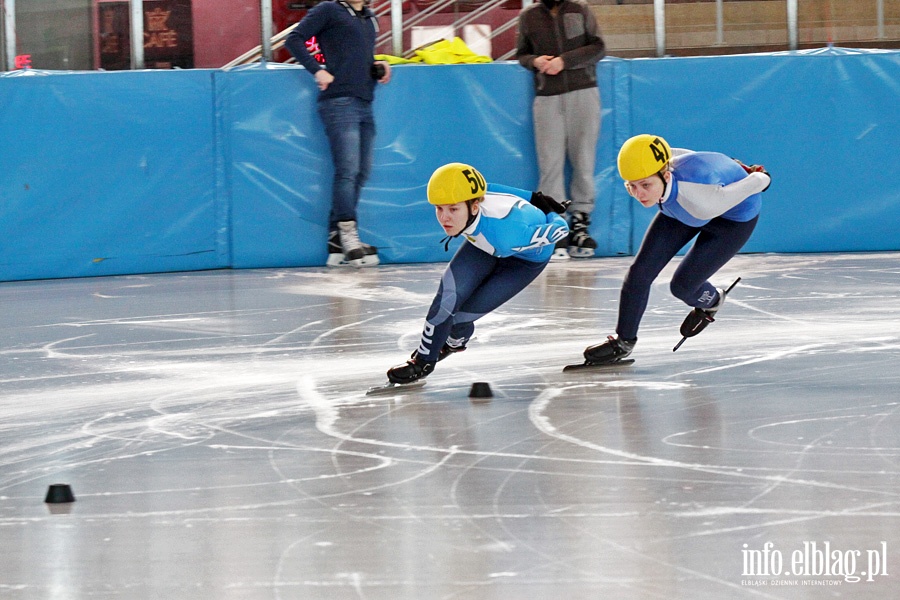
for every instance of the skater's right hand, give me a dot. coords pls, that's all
(323, 79)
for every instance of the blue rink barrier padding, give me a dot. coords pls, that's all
(152, 171)
(109, 173)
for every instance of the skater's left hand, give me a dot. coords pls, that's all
(755, 169)
(752, 168)
(547, 204)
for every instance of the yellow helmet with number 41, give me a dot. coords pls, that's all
(455, 182)
(642, 156)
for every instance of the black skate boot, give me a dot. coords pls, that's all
(452, 346)
(581, 244)
(699, 318)
(336, 252)
(411, 371)
(611, 351)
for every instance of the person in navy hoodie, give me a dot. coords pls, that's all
(706, 195)
(345, 32)
(509, 237)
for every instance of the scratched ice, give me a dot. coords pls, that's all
(216, 434)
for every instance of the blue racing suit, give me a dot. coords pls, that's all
(506, 247)
(711, 197)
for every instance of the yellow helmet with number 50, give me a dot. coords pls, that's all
(455, 182)
(642, 156)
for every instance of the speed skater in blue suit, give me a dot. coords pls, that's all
(509, 237)
(706, 195)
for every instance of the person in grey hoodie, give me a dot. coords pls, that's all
(560, 42)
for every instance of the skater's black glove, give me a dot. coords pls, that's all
(547, 204)
(755, 169)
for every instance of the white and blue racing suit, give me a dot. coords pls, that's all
(711, 197)
(507, 246)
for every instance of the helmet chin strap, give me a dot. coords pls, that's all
(665, 187)
(472, 215)
(469, 221)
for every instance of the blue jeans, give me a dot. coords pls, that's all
(350, 127)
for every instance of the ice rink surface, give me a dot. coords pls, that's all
(215, 430)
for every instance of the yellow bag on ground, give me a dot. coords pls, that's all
(450, 52)
(397, 60)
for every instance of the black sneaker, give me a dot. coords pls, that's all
(334, 245)
(581, 244)
(561, 251)
(337, 258)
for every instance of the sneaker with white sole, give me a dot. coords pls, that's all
(337, 257)
(561, 251)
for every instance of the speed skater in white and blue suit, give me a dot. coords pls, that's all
(509, 236)
(706, 195)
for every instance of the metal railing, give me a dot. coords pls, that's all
(277, 41)
(436, 8)
(396, 33)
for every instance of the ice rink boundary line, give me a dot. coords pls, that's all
(326, 417)
(535, 413)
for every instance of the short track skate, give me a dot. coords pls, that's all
(709, 319)
(598, 366)
(395, 388)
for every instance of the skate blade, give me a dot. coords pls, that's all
(337, 260)
(576, 252)
(598, 367)
(394, 388)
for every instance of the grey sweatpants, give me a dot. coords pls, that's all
(568, 125)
